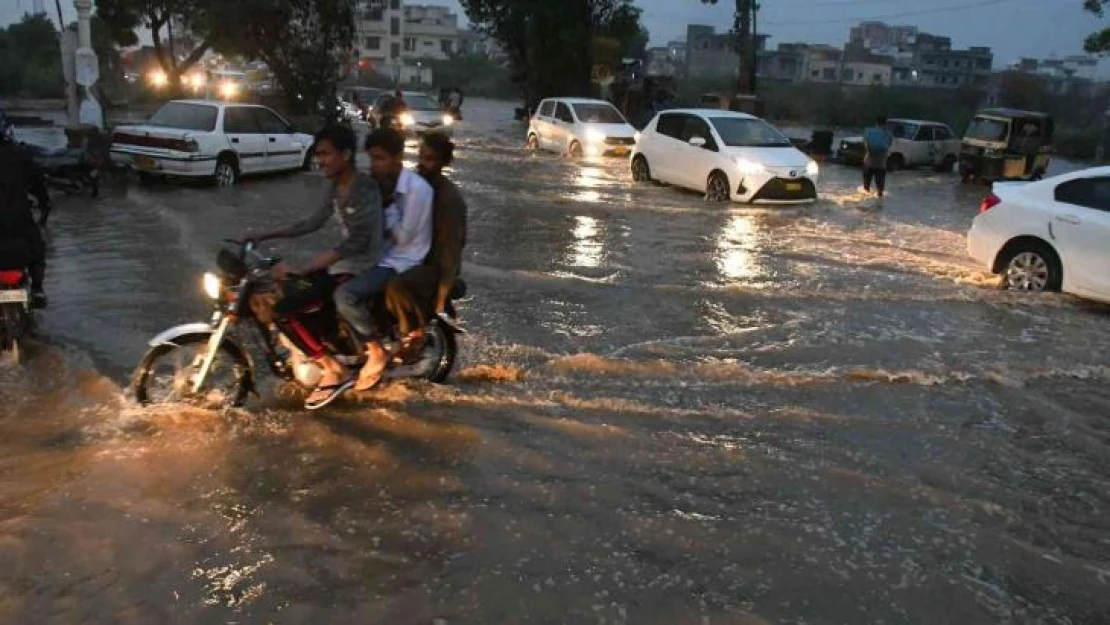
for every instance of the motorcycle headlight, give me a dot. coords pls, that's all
(212, 286)
(812, 169)
(749, 167)
(448, 120)
(595, 136)
(407, 119)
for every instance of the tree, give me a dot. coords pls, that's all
(29, 59)
(551, 45)
(305, 43)
(1100, 41)
(123, 17)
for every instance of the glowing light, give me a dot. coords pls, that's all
(158, 78)
(229, 90)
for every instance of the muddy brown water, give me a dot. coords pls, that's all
(667, 412)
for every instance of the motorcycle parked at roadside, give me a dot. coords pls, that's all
(188, 363)
(72, 171)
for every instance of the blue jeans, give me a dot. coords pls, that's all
(353, 298)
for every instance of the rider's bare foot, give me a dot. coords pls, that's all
(376, 361)
(411, 346)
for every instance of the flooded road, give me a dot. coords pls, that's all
(667, 412)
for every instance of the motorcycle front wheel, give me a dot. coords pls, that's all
(167, 373)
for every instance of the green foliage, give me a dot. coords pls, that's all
(1097, 42)
(550, 44)
(30, 58)
(477, 75)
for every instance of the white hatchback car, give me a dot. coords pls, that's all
(729, 156)
(578, 126)
(1049, 235)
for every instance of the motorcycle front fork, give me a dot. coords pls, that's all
(211, 350)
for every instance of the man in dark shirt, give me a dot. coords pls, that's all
(356, 203)
(423, 291)
(20, 237)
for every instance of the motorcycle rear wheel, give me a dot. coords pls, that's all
(184, 356)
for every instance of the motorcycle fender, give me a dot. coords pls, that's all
(169, 337)
(450, 324)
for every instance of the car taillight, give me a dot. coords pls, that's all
(11, 279)
(989, 202)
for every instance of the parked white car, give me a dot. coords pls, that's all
(1049, 235)
(916, 143)
(729, 156)
(579, 126)
(210, 139)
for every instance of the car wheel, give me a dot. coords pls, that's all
(947, 165)
(895, 163)
(1032, 267)
(533, 142)
(309, 163)
(717, 187)
(641, 171)
(575, 149)
(227, 174)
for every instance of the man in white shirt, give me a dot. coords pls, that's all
(408, 220)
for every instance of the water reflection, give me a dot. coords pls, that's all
(736, 249)
(588, 180)
(588, 248)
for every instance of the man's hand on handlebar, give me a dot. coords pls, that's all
(282, 271)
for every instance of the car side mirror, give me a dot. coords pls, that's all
(697, 142)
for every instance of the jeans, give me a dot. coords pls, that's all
(353, 298)
(876, 173)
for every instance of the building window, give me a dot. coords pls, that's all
(395, 26)
(877, 78)
(375, 15)
(373, 43)
(447, 46)
(395, 5)
(394, 50)
(410, 44)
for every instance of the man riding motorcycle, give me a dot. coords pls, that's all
(423, 291)
(20, 237)
(355, 200)
(32, 174)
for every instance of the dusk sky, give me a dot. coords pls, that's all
(1013, 28)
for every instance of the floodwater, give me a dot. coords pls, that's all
(668, 412)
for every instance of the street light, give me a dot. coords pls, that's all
(158, 79)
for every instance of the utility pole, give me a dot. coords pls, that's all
(744, 40)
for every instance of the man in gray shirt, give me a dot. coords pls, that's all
(356, 203)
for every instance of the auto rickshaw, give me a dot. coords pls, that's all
(1006, 144)
(743, 103)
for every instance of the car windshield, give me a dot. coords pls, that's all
(902, 130)
(186, 116)
(987, 129)
(598, 114)
(738, 132)
(420, 102)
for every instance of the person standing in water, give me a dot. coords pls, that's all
(877, 141)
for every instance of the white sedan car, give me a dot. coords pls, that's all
(579, 126)
(729, 156)
(1050, 235)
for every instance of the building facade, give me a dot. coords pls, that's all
(710, 54)
(397, 39)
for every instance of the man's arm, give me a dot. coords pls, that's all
(450, 239)
(365, 230)
(314, 222)
(416, 212)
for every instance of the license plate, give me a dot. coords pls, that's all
(793, 186)
(620, 151)
(145, 162)
(13, 297)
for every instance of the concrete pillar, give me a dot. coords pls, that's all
(87, 67)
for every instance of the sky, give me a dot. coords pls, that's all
(1013, 28)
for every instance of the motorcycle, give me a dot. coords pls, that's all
(15, 312)
(70, 170)
(242, 289)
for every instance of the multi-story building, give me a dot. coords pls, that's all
(713, 54)
(938, 65)
(396, 39)
(882, 38)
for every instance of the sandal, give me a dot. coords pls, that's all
(412, 346)
(371, 374)
(325, 395)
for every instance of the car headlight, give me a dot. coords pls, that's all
(212, 286)
(812, 169)
(448, 120)
(407, 119)
(749, 167)
(595, 136)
